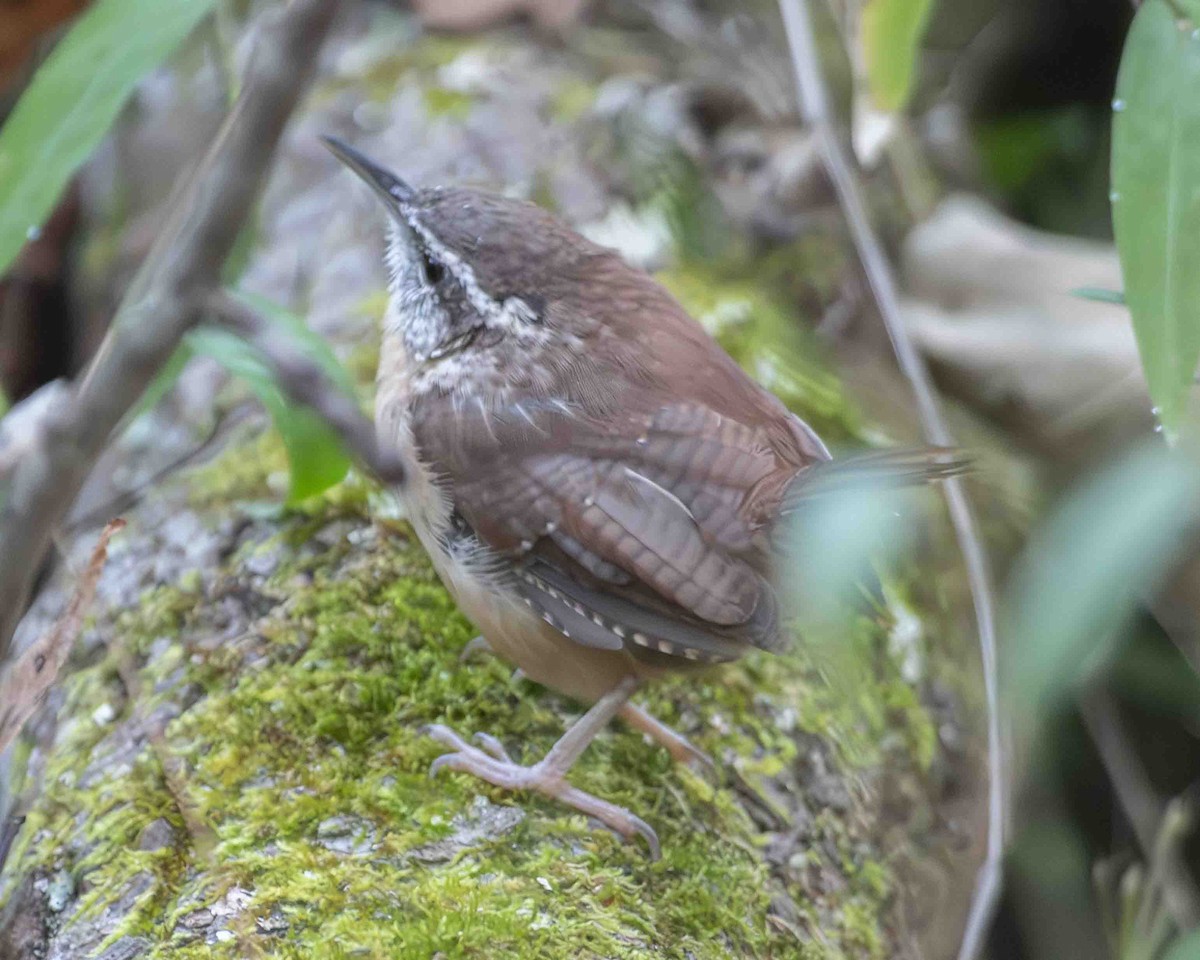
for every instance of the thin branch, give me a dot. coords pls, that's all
(127, 499)
(305, 382)
(163, 302)
(815, 111)
(27, 678)
(10, 829)
(1142, 805)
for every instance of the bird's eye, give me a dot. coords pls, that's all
(433, 270)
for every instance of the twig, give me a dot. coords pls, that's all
(10, 827)
(29, 676)
(815, 111)
(1145, 810)
(126, 500)
(305, 382)
(163, 301)
(25, 682)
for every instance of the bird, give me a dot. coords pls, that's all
(600, 487)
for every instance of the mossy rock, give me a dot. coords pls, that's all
(267, 793)
(285, 690)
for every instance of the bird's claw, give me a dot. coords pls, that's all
(492, 746)
(445, 736)
(493, 764)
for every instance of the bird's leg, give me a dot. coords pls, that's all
(473, 647)
(677, 745)
(490, 762)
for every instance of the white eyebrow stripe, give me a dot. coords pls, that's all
(499, 313)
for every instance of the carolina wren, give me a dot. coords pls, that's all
(596, 481)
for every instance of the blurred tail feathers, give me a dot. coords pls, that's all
(883, 468)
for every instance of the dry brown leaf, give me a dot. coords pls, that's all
(993, 301)
(27, 678)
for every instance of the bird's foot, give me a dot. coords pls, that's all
(681, 749)
(490, 761)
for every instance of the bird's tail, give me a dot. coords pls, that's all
(883, 468)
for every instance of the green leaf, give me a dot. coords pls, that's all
(1087, 567)
(891, 40)
(74, 98)
(1100, 295)
(315, 455)
(163, 381)
(832, 543)
(243, 248)
(1156, 199)
(1186, 947)
(314, 346)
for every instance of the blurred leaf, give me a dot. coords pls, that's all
(1153, 673)
(1186, 947)
(74, 98)
(1100, 296)
(315, 455)
(1156, 199)
(832, 540)
(316, 458)
(313, 345)
(243, 247)
(163, 381)
(1018, 148)
(1050, 887)
(1083, 572)
(891, 41)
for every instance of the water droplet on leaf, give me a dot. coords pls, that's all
(1118, 105)
(33, 233)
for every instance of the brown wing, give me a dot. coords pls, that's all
(630, 478)
(639, 532)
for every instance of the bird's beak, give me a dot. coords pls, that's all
(386, 185)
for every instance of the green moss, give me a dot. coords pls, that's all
(256, 470)
(314, 717)
(572, 99)
(301, 746)
(452, 104)
(305, 755)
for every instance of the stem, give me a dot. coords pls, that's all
(815, 111)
